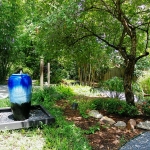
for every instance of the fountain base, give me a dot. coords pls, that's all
(38, 116)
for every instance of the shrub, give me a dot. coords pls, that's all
(84, 105)
(114, 84)
(138, 90)
(146, 108)
(144, 81)
(52, 93)
(115, 106)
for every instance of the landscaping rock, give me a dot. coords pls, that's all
(107, 120)
(120, 124)
(131, 124)
(144, 125)
(95, 114)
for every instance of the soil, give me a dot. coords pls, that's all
(107, 137)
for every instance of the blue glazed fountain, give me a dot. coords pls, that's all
(20, 91)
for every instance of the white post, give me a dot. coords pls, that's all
(41, 71)
(48, 74)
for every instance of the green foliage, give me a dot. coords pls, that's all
(28, 71)
(146, 107)
(92, 129)
(62, 134)
(114, 84)
(115, 106)
(123, 140)
(138, 90)
(85, 105)
(144, 81)
(58, 72)
(4, 103)
(52, 93)
(64, 91)
(9, 18)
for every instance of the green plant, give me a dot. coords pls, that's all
(85, 105)
(51, 93)
(114, 84)
(64, 91)
(138, 90)
(4, 103)
(115, 106)
(146, 108)
(60, 135)
(144, 82)
(92, 129)
(123, 140)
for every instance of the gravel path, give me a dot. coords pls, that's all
(141, 142)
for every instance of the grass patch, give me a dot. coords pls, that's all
(4, 103)
(62, 135)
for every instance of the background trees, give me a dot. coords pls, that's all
(81, 37)
(9, 19)
(121, 26)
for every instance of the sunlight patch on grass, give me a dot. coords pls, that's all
(21, 140)
(4, 103)
(85, 90)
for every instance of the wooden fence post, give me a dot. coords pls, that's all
(41, 71)
(48, 74)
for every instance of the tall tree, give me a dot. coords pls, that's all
(9, 19)
(119, 25)
(123, 25)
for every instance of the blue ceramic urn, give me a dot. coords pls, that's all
(20, 91)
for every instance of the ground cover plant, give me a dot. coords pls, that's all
(61, 135)
(74, 129)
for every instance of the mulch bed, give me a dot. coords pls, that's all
(107, 138)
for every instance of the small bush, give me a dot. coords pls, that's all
(52, 93)
(146, 108)
(144, 81)
(114, 84)
(115, 106)
(85, 105)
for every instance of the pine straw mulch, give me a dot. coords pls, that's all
(108, 137)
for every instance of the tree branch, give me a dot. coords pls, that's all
(141, 56)
(147, 34)
(101, 38)
(79, 39)
(122, 49)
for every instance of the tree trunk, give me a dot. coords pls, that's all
(128, 78)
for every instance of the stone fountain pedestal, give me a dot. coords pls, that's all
(38, 115)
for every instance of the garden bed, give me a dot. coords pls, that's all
(106, 137)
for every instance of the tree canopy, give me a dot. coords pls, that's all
(82, 35)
